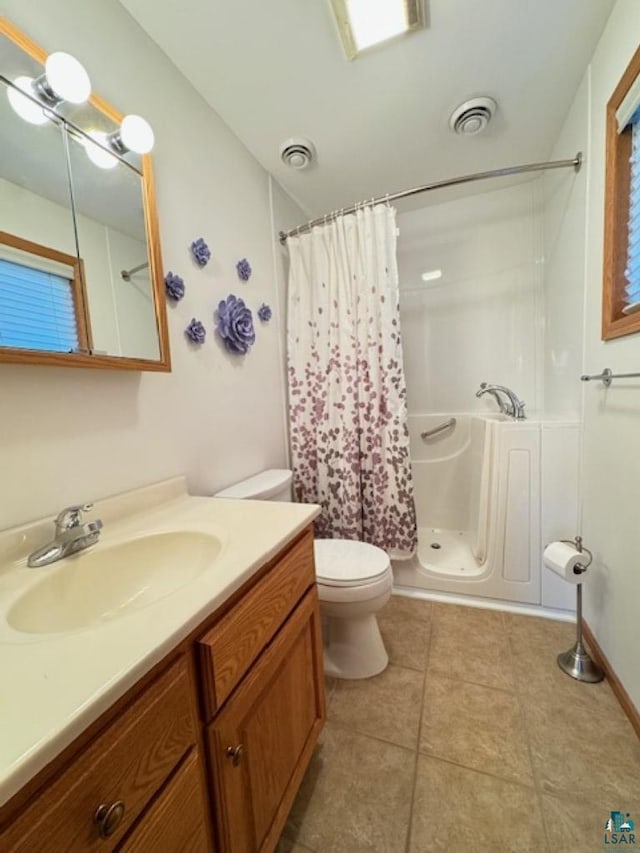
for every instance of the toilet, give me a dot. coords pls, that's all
(354, 581)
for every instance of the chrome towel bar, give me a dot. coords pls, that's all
(437, 430)
(606, 377)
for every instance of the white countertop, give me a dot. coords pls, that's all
(54, 685)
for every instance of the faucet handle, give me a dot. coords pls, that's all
(71, 516)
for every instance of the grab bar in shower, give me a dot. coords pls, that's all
(607, 376)
(437, 430)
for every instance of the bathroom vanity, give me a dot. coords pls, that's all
(216, 719)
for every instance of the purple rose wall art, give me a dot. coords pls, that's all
(196, 332)
(243, 268)
(235, 325)
(201, 252)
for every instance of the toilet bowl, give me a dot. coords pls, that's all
(354, 581)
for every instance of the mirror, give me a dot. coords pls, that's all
(81, 280)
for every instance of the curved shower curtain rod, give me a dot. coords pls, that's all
(575, 163)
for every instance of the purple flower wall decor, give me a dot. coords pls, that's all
(235, 325)
(196, 332)
(201, 252)
(264, 313)
(174, 286)
(244, 269)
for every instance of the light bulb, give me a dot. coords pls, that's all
(67, 78)
(98, 156)
(23, 106)
(136, 134)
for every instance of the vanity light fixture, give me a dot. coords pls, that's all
(135, 134)
(64, 79)
(363, 23)
(432, 275)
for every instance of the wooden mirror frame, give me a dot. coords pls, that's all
(105, 362)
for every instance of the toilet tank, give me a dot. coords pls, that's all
(271, 485)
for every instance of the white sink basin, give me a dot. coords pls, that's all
(107, 582)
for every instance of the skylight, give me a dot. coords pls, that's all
(365, 23)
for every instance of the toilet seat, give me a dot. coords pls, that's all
(348, 563)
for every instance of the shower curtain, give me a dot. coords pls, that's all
(347, 392)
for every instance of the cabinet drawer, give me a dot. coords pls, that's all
(227, 651)
(176, 822)
(127, 762)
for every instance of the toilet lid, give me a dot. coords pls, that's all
(346, 562)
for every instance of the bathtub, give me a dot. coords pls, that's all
(478, 495)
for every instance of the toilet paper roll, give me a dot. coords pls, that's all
(562, 559)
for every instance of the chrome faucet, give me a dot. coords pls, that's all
(513, 406)
(70, 536)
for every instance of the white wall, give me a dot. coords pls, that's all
(482, 320)
(610, 489)
(565, 194)
(72, 435)
(611, 461)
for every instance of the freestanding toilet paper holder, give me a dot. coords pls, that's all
(577, 662)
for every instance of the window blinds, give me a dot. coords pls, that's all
(632, 271)
(37, 310)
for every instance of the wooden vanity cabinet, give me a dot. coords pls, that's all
(206, 753)
(261, 741)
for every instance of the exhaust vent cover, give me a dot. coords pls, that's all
(473, 116)
(297, 153)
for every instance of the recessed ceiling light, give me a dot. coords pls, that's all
(431, 275)
(364, 23)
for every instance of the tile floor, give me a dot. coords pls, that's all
(472, 741)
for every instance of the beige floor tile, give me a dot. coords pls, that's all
(593, 756)
(355, 796)
(287, 846)
(329, 687)
(475, 648)
(473, 620)
(535, 645)
(575, 825)
(405, 625)
(536, 630)
(386, 706)
(478, 727)
(461, 811)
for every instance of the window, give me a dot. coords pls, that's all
(41, 298)
(621, 284)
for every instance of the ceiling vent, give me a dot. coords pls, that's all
(297, 153)
(473, 116)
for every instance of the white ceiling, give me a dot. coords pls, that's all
(275, 69)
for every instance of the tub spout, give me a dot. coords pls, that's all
(512, 406)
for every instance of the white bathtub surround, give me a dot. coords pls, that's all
(478, 500)
(347, 394)
(481, 321)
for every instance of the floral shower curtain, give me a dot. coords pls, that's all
(347, 392)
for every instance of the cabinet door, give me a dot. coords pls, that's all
(261, 742)
(177, 820)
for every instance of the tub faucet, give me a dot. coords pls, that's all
(70, 536)
(513, 407)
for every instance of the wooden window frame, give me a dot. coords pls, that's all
(615, 324)
(78, 290)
